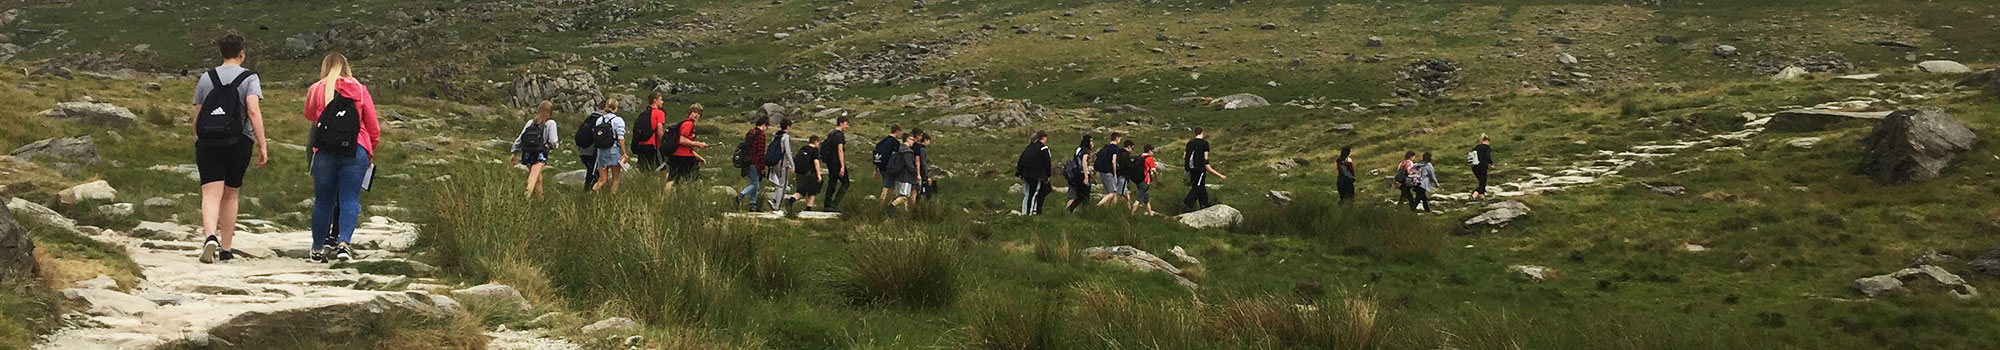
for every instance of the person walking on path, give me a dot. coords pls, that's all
(682, 163)
(1482, 162)
(906, 169)
(532, 145)
(753, 170)
(1077, 172)
(345, 133)
(884, 149)
(808, 170)
(778, 156)
(1426, 182)
(927, 188)
(611, 150)
(1406, 179)
(1198, 169)
(1033, 169)
(647, 131)
(1345, 165)
(228, 124)
(833, 153)
(1142, 187)
(586, 148)
(1108, 161)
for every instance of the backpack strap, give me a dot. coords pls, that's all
(239, 78)
(215, 79)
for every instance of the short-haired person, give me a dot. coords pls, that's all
(1034, 168)
(1482, 155)
(1198, 169)
(808, 171)
(647, 133)
(833, 154)
(927, 187)
(1079, 182)
(611, 160)
(754, 170)
(780, 171)
(339, 104)
(907, 171)
(226, 133)
(532, 145)
(1426, 182)
(1142, 188)
(682, 162)
(1108, 160)
(884, 149)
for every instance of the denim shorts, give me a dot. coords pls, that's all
(531, 159)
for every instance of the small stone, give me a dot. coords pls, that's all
(611, 326)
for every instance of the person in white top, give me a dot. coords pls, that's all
(779, 172)
(532, 150)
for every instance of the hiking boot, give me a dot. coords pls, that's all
(787, 207)
(208, 248)
(317, 257)
(226, 256)
(736, 205)
(342, 253)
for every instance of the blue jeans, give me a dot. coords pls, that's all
(756, 179)
(337, 186)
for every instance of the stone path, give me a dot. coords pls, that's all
(183, 299)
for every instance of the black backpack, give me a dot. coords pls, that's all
(1402, 176)
(339, 126)
(222, 123)
(603, 135)
(884, 150)
(742, 157)
(534, 139)
(644, 129)
(805, 160)
(583, 137)
(1073, 170)
(774, 153)
(1131, 168)
(897, 165)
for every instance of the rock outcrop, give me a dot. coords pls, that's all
(573, 90)
(94, 190)
(1914, 145)
(1140, 260)
(93, 113)
(1811, 120)
(1499, 214)
(17, 252)
(1218, 216)
(1920, 277)
(69, 149)
(1941, 66)
(1239, 101)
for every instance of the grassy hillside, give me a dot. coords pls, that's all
(1786, 229)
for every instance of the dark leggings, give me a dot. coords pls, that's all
(836, 186)
(1079, 193)
(1197, 192)
(1408, 198)
(1346, 189)
(1422, 198)
(1479, 171)
(589, 171)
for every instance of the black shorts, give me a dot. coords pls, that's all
(223, 163)
(680, 168)
(807, 186)
(648, 157)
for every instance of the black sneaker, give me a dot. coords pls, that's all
(736, 205)
(226, 256)
(317, 257)
(208, 248)
(342, 253)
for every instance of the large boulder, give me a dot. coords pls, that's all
(94, 190)
(1240, 101)
(336, 321)
(1499, 214)
(17, 252)
(573, 90)
(1921, 277)
(72, 149)
(93, 113)
(769, 111)
(494, 296)
(1914, 145)
(1941, 66)
(46, 216)
(1218, 216)
(1811, 120)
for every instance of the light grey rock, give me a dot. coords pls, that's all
(93, 113)
(1218, 216)
(573, 177)
(1725, 51)
(1499, 214)
(17, 251)
(1566, 58)
(611, 326)
(337, 321)
(163, 231)
(1941, 66)
(1925, 276)
(1139, 260)
(1532, 272)
(1791, 73)
(115, 209)
(1240, 101)
(1279, 197)
(1914, 145)
(158, 202)
(30, 210)
(496, 296)
(94, 190)
(106, 302)
(78, 149)
(166, 299)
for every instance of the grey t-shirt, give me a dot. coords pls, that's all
(249, 87)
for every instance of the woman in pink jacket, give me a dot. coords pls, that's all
(345, 133)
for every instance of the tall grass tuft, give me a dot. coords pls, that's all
(1016, 323)
(913, 270)
(1385, 230)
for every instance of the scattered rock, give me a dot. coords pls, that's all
(158, 202)
(1666, 39)
(781, 36)
(1218, 216)
(1725, 51)
(93, 113)
(1926, 276)
(1942, 66)
(1803, 142)
(163, 231)
(1430, 78)
(1183, 255)
(496, 296)
(1138, 259)
(1811, 120)
(1374, 41)
(1566, 58)
(1531, 272)
(1791, 73)
(1869, 76)
(73, 149)
(1279, 197)
(1268, 26)
(1283, 165)
(94, 190)
(1914, 145)
(115, 209)
(27, 209)
(611, 326)
(403, 267)
(17, 252)
(166, 299)
(337, 321)
(1499, 214)
(1240, 101)
(1669, 190)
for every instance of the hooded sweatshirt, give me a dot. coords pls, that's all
(371, 129)
(1426, 176)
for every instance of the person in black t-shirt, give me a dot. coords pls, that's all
(833, 153)
(1034, 169)
(1198, 170)
(1484, 154)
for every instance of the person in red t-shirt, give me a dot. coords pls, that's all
(1141, 196)
(647, 148)
(682, 162)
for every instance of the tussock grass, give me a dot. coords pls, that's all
(914, 271)
(1368, 228)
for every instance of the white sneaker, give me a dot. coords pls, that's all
(208, 248)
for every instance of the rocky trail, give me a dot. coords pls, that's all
(269, 291)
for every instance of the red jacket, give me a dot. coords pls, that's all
(757, 145)
(371, 129)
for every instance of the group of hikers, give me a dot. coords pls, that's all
(794, 174)
(1125, 176)
(229, 126)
